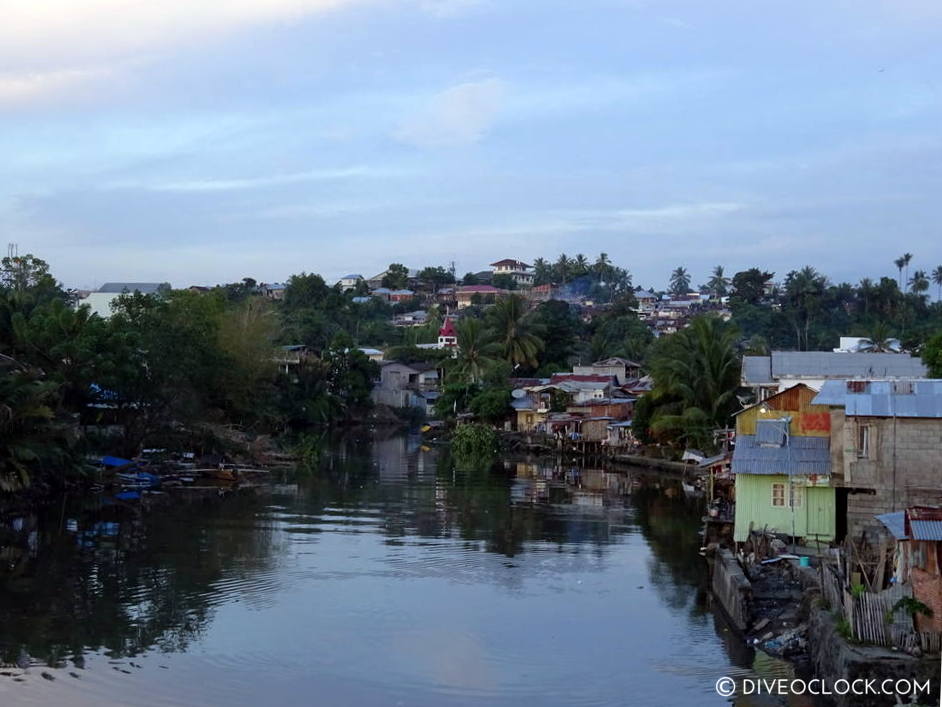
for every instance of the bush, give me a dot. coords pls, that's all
(475, 442)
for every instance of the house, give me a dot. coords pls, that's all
(101, 300)
(886, 439)
(275, 291)
(520, 272)
(646, 300)
(392, 296)
(377, 280)
(349, 282)
(923, 528)
(584, 388)
(411, 319)
(468, 295)
(622, 369)
(782, 468)
(770, 374)
(403, 385)
(447, 335)
(291, 356)
(372, 354)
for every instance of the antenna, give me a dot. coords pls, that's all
(13, 250)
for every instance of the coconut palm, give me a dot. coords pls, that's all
(907, 258)
(879, 340)
(680, 281)
(512, 333)
(900, 263)
(718, 285)
(542, 272)
(603, 267)
(937, 279)
(562, 269)
(477, 352)
(696, 373)
(580, 265)
(919, 282)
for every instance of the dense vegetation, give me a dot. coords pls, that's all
(187, 365)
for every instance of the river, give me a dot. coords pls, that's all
(385, 578)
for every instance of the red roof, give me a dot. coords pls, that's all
(483, 289)
(448, 329)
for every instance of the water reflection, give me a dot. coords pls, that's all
(388, 576)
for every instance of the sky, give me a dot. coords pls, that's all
(199, 143)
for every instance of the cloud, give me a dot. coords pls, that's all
(231, 184)
(457, 116)
(43, 42)
(27, 87)
(447, 9)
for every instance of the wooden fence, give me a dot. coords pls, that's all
(874, 621)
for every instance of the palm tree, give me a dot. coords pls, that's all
(718, 284)
(680, 281)
(562, 269)
(542, 272)
(937, 279)
(26, 414)
(907, 257)
(919, 282)
(476, 351)
(900, 264)
(603, 267)
(580, 265)
(696, 374)
(516, 342)
(879, 340)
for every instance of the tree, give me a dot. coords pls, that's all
(937, 279)
(436, 276)
(919, 282)
(492, 405)
(542, 272)
(900, 263)
(907, 258)
(750, 285)
(396, 277)
(476, 351)
(560, 329)
(22, 272)
(469, 279)
(932, 355)
(804, 291)
(879, 340)
(504, 281)
(718, 285)
(512, 332)
(680, 282)
(696, 374)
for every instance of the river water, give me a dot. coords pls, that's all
(385, 578)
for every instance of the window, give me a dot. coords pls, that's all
(795, 495)
(863, 442)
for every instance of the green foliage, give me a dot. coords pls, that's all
(932, 355)
(492, 405)
(513, 333)
(475, 444)
(696, 374)
(560, 329)
(396, 277)
(455, 398)
(476, 351)
(912, 606)
(749, 286)
(680, 282)
(858, 590)
(504, 281)
(842, 626)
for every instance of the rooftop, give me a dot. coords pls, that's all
(884, 398)
(145, 288)
(510, 261)
(805, 456)
(758, 370)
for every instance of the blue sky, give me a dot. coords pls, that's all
(204, 142)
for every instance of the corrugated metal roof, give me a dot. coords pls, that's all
(895, 523)
(772, 432)
(757, 370)
(804, 456)
(145, 288)
(830, 364)
(884, 398)
(926, 529)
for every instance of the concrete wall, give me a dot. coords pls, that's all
(732, 589)
(904, 467)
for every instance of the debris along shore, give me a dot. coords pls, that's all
(791, 603)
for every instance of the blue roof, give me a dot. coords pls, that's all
(895, 523)
(926, 529)
(884, 398)
(804, 456)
